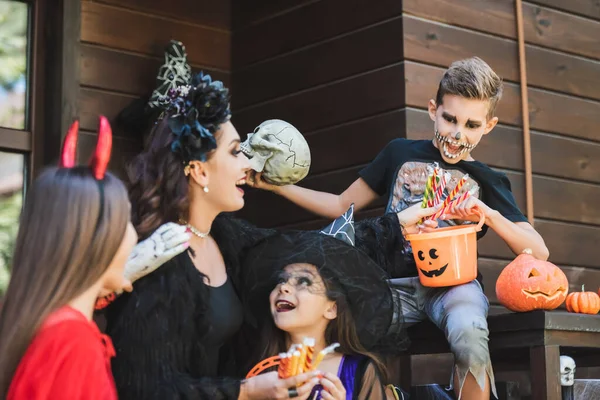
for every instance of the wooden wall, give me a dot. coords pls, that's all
(122, 46)
(563, 71)
(363, 73)
(334, 70)
(352, 75)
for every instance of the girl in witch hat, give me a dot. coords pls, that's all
(304, 284)
(73, 242)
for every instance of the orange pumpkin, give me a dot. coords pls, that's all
(528, 284)
(583, 302)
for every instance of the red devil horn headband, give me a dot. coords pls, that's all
(67, 155)
(101, 157)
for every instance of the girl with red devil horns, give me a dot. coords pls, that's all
(74, 239)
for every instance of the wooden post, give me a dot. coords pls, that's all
(544, 364)
(525, 112)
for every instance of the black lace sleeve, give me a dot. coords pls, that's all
(157, 331)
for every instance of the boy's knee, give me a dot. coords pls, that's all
(469, 341)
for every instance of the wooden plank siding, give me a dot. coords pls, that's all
(564, 94)
(122, 46)
(341, 83)
(562, 55)
(313, 78)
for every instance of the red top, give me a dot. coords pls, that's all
(69, 358)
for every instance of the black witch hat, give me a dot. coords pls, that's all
(377, 314)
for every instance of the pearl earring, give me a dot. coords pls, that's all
(205, 188)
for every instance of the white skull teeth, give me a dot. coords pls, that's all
(447, 141)
(241, 182)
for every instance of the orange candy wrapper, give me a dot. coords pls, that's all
(298, 360)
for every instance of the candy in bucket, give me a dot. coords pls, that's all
(446, 256)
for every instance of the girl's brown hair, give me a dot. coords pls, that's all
(341, 330)
(70, 230)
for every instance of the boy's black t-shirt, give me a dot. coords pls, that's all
(400, 173)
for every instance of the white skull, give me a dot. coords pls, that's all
(279, 151)
(567, 371)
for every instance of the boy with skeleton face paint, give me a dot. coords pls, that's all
(462, 114)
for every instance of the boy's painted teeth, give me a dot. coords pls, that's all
(241, 182)
(452, 149)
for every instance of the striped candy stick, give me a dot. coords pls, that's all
(309, 345)
(322, 354)
(456, 189)
(434, 175)
(295, 363)
(426, 192)
(446, 209)
(439, 192)
(284, 363)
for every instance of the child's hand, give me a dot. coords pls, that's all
(468, 210)
(333, 388)
(409, 219)
(269, 386)
(254, 179)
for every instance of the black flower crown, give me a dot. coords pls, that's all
(195, 113)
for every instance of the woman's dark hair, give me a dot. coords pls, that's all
(69, 233)
(158, 187)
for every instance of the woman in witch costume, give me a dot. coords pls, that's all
(50, 347)
(174, 332)
(322, 287)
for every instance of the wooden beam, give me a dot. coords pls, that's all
(62, 78)
(15, 139)
(37, 84)
(545, 372)
(525, 112)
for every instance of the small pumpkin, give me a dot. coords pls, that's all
(528, 284)
(583, 302)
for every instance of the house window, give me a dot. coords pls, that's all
(12, 177)
(14, 18)
(15, 123)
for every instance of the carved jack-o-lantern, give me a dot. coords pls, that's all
(529, 284)
(432, 258)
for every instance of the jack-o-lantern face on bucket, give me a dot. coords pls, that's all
(433, 259)
(448, 256)
(529, 284)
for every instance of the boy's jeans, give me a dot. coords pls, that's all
(459, 311)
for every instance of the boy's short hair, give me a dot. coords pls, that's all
(471, 78)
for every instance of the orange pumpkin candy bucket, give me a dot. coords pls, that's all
(447, 256)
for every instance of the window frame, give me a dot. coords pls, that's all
(52, 83)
